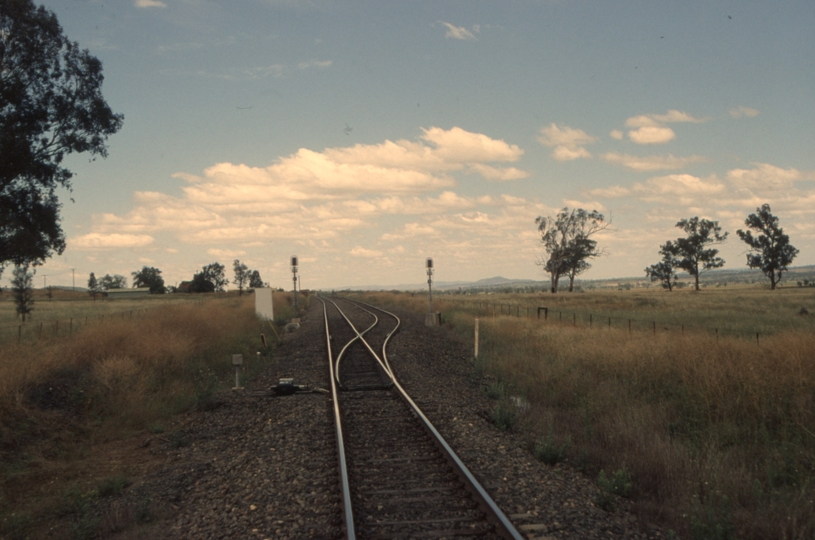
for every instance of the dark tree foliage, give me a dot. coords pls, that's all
(255, 281)
(149, 277)
(568, 244)
(242, 274)
(51, 105)
(22, 289)
(692, 253)
(772, 251)
(663, 271)
(211, 278)
(200, 284)
(93, 286)
(108, 282)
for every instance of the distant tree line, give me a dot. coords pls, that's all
(569, 241)
(769, 249)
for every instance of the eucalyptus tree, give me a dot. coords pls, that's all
(664, 271)
(568, 243)
(693, 253)
(51, 105)
(771, 251)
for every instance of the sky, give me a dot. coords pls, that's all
(364, 137)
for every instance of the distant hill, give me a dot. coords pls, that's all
(713, 277)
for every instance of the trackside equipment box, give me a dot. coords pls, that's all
(263, 303)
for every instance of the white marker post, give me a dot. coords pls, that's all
(237, 361)
(475, 353)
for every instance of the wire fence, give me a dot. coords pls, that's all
(32, 331)
(37, 330)
(588, 320)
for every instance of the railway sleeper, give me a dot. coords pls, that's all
(462, 534)
(440, 504)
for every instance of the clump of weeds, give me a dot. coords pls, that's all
(549, 451)
(616, 485)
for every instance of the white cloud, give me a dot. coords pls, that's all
(568, 143)
(678, 184)
(149, 4)
(612, 192)
(459, 32)
(111, 241)
(742, 111)
(315, 63)
(226, 253)
(677, 116)
(649, 128)
(324, 195)
(499, 174)
(651, 163)
(616, 134)
(651, 135)
(766, 177)
(360, 251)
(564, 153)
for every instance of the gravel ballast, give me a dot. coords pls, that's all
(264, 466)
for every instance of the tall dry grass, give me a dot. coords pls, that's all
(717, 436)
(125, 373)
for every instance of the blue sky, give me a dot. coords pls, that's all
(366, 136)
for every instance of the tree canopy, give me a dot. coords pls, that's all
(51, 105)
(568, 243)
(211, 278)
(149, 277)
(108, 282)
(242, 275)
(93, 286)
(663, 271)
(22, 289)
(255, 281)
(771, 250)
(692, 253)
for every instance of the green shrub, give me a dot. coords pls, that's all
(618, 485)
(504, 415)
(711, 519)
(496, 389)
(112, 486)
(549, 452)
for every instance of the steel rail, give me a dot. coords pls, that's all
(364, 342)
(359, 336)
(345, 486)
(504, 526)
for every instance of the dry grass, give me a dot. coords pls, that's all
(717, 436)
(59, 398)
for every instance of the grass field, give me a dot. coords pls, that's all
(714, 438)
(65, 400)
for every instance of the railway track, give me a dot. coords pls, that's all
(399, 478)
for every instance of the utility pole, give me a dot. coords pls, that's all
(430, 318)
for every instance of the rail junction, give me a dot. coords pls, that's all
(398, 477)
